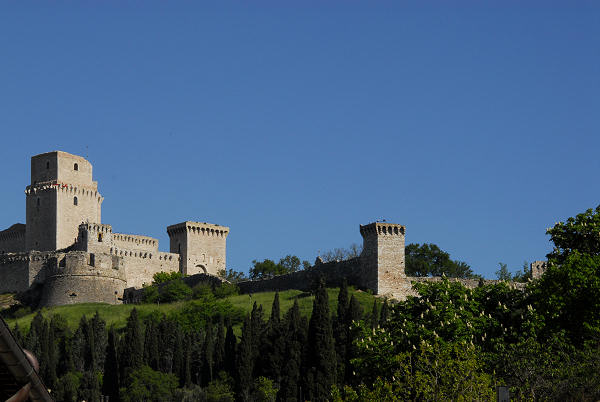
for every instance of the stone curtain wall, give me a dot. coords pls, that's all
(140, 266)
(14, 273)
(332, 272)
(12, 240)
(134, 242)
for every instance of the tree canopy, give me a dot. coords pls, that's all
(429, 260)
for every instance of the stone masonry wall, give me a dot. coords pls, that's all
(81, 277)
(12, 240)
(140, 266)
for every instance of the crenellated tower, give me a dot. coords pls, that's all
(61, 196)
(383, 254)
(201, 246)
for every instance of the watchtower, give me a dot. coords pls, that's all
(383, 254)
(61, 196)
(200, 245)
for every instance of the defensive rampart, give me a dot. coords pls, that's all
(80, 277)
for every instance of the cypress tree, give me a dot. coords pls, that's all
(50, 377)
(355, 313)
(78, 347)
(295, 339)
(151, 347)
(385, 314)
(219, 357)
(178, 353)
(32, 342)
(272, 346)
(132, 347)
(374, 315)
(197, 363)
(321, 349)
(187, 362)
(341, 331)
(245, 362)
(230, 351)
(97, 328)
(208, 350)
(110, 384)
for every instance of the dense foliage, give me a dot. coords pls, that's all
(268, 268)
(450, 343)
(429, 260)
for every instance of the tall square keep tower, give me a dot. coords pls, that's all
(61, 195)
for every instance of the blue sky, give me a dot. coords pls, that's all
(475, 124)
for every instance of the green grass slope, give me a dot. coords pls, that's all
(117, 314)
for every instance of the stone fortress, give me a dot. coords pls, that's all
(65, 251)
(64, 254)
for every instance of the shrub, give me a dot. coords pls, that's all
(162, 277)
(225, 290)
(174, 291)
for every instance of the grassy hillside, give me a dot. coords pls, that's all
(117, 314)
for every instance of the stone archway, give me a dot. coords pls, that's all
(202, 269)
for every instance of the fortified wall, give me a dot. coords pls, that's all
(66, 250)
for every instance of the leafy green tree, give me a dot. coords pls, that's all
(341, 254)
(150, 294)
(266, 269)
(429, 260)
(503, 273)
(146, 384)
(568, 294)
(175, 290)
(264, 390)
(321, 362)
(231, 275)
(162, 277)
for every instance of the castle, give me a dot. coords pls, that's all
(64, 254)
(65, 250)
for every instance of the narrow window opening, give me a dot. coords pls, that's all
(76, 167)
(74, 200)
(47, 165)
(38, 202)
(100, 237)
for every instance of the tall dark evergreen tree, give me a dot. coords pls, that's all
(132, 347)
(110, 383)
(151, 346)
(208, 351)
(374, 318)
(355, 313)
(219, 357)
(97, 328)
(295, 339)
(245, 362)
(341, 331)
(179, 353)
(322, 365)
(385, 314)
(272, 346)
(187, 361)
(230, 351)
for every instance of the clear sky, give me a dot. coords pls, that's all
(475, 124)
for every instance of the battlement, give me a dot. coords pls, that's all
(198, 228)
(131, 242)
(382, 229)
